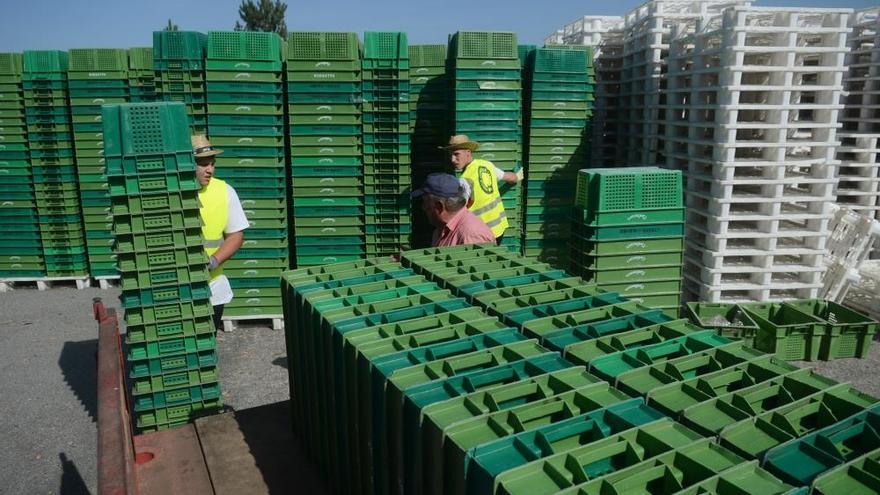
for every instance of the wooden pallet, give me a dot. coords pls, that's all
(231, 322)
(10, 284)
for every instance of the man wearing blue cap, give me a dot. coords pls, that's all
(444, 201)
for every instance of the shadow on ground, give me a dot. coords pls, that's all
(72, 482)
(78, 363)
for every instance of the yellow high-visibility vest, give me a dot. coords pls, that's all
(487, 204)
(214, 210)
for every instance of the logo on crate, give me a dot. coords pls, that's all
(487, 180)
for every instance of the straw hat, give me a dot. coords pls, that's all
(202, 147)
(460, 142)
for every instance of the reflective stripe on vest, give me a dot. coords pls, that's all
(487, 205)
(214, 210)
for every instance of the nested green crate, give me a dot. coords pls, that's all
(174, 397)
(488, 465)
(427, 445)
(728, 320)
(138, 351)
(800, 461)
(448, 476)
(584, 352)
(712, 416)
(752, 438)
(172, 381)
(674, 397)
(98, 60)
(172, 364)
(745, 478)
(561, 339)
(786, 331)
(611, 366)
(168, 417)
(570, 467)
(672, 471)
(379, 45)
(861, 475)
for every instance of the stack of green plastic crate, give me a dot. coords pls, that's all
(179, 64)
(327, 174)
(560, 102)
(488, 108)
(627, 233)
(21, 254)
(50, 140)
(429, 103)
(170, 337)
(386, 135)
(141, 76)
(246, 104)
(96, 77)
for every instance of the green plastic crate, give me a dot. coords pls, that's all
(728, 320)
(385, 45)
(848, 332)
(751, 438)
(10, 64)
(631, 188)
(427, 55)
(243, 45)
(800, 461)
(145, 129)
(323, 46)
(448, 476)
(674, 397)
(37, 62)
(172, 47)
(487, 45)
(140, 59)
(861, 475)
(711, 417)
(786, 331)
(98, 60)
(566, 469)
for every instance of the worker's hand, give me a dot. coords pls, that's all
(520, 175)
(212, 263)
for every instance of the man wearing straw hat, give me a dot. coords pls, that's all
(223, 221)
(480, 181)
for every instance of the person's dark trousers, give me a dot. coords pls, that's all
(218, 315)
(498, 240)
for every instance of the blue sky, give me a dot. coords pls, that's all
(65, 24)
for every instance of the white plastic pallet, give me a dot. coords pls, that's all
(756, 241)
(751, 276)
(698, 291)
(754, 259)
(9, 284)
(230, 323)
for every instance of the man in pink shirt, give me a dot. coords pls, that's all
(444, 201)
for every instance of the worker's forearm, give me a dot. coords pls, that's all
(231, 244)
(510, 178)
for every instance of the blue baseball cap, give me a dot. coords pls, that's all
(440, 185)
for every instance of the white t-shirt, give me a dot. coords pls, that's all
(467, 185)
(221, 291)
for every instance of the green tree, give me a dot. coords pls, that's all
(171, 26)
(262, 15)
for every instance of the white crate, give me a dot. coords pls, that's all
(864, 295)
(836, 281)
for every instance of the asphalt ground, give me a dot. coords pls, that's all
(48, 387)
(48, 396)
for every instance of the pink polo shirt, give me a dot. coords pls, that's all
(463, 228)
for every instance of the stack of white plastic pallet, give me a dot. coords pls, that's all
(647, 33)
(606, 35)
(590, 29)
(858, 174)
(554, 39)
(754, 98)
